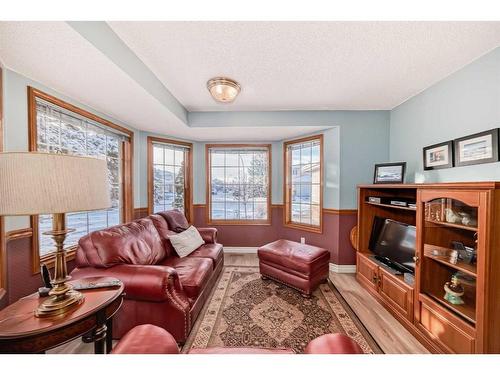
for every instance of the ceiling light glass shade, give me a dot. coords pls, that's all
(223, 90)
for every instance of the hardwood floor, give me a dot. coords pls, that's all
(389, 334)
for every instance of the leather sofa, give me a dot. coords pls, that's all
(148, 339)
(160, 288)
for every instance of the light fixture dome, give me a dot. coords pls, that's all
(223, 90)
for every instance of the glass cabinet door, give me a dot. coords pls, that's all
(448, 255)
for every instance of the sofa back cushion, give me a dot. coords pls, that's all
(163, 230)
(137, 242)
(176, 220)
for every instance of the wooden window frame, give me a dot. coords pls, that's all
(287, 185)
(209, 220)
(127, 168)
(188, 181)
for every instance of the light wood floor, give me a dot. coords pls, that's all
(389, 334)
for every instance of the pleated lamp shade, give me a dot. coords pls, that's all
(34, 183)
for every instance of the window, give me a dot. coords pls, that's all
(303, 183)
(169, 175)
(238, 183)
(58, 127)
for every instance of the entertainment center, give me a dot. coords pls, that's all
(451, 302)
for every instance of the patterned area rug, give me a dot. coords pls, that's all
(245, 310)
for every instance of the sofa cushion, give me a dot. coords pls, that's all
(212, 251)
(176, 220)
(186, 242)
(162, 227)
(137, 242)
(194, 273)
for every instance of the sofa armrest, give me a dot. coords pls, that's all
(144, 283)
(333, 343)
(146, 339)
(209, 235)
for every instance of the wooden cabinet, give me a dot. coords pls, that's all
(444, 214)
(396, 293)
(367, 272)
(390, 288)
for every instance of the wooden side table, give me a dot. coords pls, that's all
(22, 332)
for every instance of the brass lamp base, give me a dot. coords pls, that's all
(58, 305)
(62, 297)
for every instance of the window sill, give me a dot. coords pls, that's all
(239, 222)
(307, 228)
(50, 259)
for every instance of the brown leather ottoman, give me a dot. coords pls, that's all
(297, 265)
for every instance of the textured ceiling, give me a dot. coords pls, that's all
(281, 66)
(306, 65)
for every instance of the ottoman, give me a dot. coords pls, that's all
(297, 265)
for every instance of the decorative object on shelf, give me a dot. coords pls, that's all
(454, 291)
(223, 89)
(439, 252)
(466, 254)
(477, 148)
(467, 219)
(438, 156)
(33, 183)
(453, 257)
(452, 216)
(389, 173)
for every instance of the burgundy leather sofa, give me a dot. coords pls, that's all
(148, 339)
(160, 288)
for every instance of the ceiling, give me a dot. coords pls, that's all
(306, 65)
(280, 65)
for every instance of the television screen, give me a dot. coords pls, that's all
(393, 240)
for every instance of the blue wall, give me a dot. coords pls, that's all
(464, 103)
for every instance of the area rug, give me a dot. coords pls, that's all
(245, 310)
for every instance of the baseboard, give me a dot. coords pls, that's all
(240, 250)
(342, 268)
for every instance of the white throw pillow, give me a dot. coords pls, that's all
(186, 242)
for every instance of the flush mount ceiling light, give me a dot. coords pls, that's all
(223, 90)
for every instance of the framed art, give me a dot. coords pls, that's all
(389, 173)
(477, 148)
(438, 156)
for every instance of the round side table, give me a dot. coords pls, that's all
(22, 332)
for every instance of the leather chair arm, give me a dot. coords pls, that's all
(146, 339)
(333, 343)
(209, 235)
(144, 283)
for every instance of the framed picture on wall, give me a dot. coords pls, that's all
(389, 173)
(438, 156)
(477, 148)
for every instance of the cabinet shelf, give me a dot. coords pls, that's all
(452, 225)
(466, 311)
(392, 206)
(469, 269)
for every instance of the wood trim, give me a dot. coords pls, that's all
(287, 188)
(140, 212)
(199, 205)
(209, 189)
(18, 234)
(127, 165)
(188, 182)
(277, 205)
(336, 211)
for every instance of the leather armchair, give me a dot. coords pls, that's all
(148, 339)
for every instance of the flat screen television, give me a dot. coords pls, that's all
(393, 243)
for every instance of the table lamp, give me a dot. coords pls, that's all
(34, 183)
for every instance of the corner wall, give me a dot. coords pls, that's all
(466, 102)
